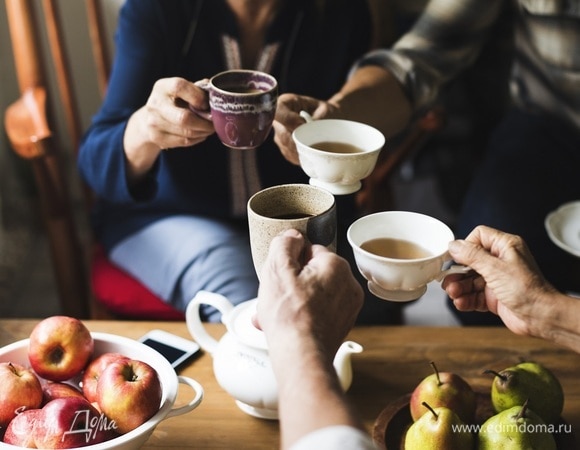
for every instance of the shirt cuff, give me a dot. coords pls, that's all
(338, 437)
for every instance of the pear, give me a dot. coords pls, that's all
(444, 389)
(532, 382)
(515, 428)
(438, 428)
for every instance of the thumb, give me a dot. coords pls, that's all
(289, 245)
(472, 255)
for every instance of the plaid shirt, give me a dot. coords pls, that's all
(545, 74)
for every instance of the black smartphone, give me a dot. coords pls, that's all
(175, 349)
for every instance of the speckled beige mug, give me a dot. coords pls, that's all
(308, 209)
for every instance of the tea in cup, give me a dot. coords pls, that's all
(242, 105)
(337, 154)
(308, 209)
(400, 252)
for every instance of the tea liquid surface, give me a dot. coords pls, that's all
(395, 248)
(337, 147)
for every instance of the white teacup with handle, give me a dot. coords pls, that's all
(400, 252)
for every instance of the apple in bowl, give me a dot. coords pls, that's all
(133, 350)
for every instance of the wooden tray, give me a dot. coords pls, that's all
(395, 419)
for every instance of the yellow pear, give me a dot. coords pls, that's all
(438, 428)
(444, 389)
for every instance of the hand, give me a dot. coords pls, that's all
(288, 119)
(306, 292)
(165, 121)
(508, 281)
(169, 115)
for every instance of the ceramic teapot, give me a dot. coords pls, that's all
(241, 362)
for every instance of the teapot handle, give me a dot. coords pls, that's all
(193, 319)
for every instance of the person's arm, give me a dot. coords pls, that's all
(509, 283)
(371, 95)
(165, 122)
(307, 303)
(140, 115)
(388, 86)
(310, 395)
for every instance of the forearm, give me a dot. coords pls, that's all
(374, 96)
(558, 320)
(310, 395)
(140, 152)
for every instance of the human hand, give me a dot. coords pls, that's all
(288, 119)
(306, 292)
(168, 118)
(508, 281)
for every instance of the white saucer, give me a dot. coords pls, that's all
(261, 413)
(563, 227)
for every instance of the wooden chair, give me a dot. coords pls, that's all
(376, 194)
(89, 285)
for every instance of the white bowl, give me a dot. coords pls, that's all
(563, 227)
(339, 173)
(18, 353)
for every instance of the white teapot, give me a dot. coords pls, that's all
(241, 362)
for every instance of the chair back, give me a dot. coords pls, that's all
(33, 135)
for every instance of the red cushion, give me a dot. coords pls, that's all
(124, 296)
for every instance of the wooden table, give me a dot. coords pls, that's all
(394, 360)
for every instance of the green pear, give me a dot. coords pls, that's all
(532, 382)
(515, 428)
(438, 428)
(444, 389)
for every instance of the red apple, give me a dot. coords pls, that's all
(444, 389)
(59, 348)
(20, 429)
(129, 393)
(94, 370)
(71, 422)
(56, 389)
(20, 390)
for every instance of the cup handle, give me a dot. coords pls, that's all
(306, 116)
(193, 320)
(455, 268)
(205, 85)
(193, 403)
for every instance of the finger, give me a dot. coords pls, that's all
(475, 256)
(288, 110)
(283, 139)
(286, 252)
(459, 287)
(182, 90)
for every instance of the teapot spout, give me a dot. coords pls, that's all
(343, 362)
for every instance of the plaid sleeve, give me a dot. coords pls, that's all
(445, 39)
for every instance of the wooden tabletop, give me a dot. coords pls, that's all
(394, 360)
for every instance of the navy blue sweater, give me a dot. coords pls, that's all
(154, 41)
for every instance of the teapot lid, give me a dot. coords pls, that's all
(239, 323)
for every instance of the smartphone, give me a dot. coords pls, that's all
(177, 350)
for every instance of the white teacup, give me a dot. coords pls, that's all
(337, 154)
(400, 252)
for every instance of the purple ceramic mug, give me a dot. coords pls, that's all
(242, 105)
